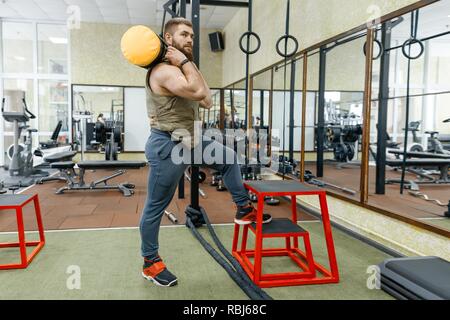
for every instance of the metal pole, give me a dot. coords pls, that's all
(304, 101)
(195, 4)
(321, 111)
(292, 112)
(383, 111)
(183, 8)
(366, 117)
(261, 108)
(181, 193)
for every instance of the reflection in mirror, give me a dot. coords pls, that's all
(423, 112)
(287, 115)
(99, 107)
(237, 106)
(211, 117)
(337, 74)
(261, 96)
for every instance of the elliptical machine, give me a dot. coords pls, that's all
(21, 156)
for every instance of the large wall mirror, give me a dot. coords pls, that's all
(120, 108)
(418, 123)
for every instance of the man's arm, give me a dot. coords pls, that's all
(207, 102)
(182, 81)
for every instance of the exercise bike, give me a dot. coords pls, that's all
(435, 145)
(21, 155)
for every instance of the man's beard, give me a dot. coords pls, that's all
(188, 54)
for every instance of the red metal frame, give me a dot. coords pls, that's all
(23, 244)
(305, 261)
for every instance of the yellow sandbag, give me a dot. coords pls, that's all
(142, 47)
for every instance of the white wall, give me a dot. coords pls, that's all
(137, 126)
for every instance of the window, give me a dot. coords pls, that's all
(17, 47)
(52, 49)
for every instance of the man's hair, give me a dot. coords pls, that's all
(175, 22)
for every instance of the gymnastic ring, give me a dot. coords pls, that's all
(380, 46)
(410, 42)
(248, 34)
(285, 54)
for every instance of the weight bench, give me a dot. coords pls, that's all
(54, 158)
(413, 164)
(76, 181)
(419, 155)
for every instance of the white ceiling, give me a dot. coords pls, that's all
(149, 12)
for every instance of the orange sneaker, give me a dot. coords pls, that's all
(248, 214)
(156, 271)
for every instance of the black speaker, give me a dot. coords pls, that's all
(216, 41)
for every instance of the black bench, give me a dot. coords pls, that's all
(57, 157)
(76, 181)
(419, 155)
(416, 166)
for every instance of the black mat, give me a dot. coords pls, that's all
(425, 277)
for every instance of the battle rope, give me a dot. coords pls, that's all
(232, 266)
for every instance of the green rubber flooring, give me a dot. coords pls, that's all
(109, 267)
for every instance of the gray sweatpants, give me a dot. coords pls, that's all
(163, 180)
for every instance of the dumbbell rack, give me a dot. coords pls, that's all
(311, 271)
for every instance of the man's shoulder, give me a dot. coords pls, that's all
(164, 68)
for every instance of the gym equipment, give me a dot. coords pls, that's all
(251, 172)
(21, 157)
(343, 139)
(2, 186)
(426, 198)
(412, 165)
(221, 187)
(253, 197)
(271, 201)
(142, 47)
(311, 179)
(436, 145)
(285, 167)
(171, 217)
(79, 125)
(17, 203)
(112, 147)
(109, 135)
(252, 260)
(67, 170)
(53, 142)
(416, 146)
(201, 175)
(200, 191)
(215, 179)
(420, 155)
(418, 278)
(57, 157)
(408, 43)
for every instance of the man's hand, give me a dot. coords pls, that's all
(175, 56)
